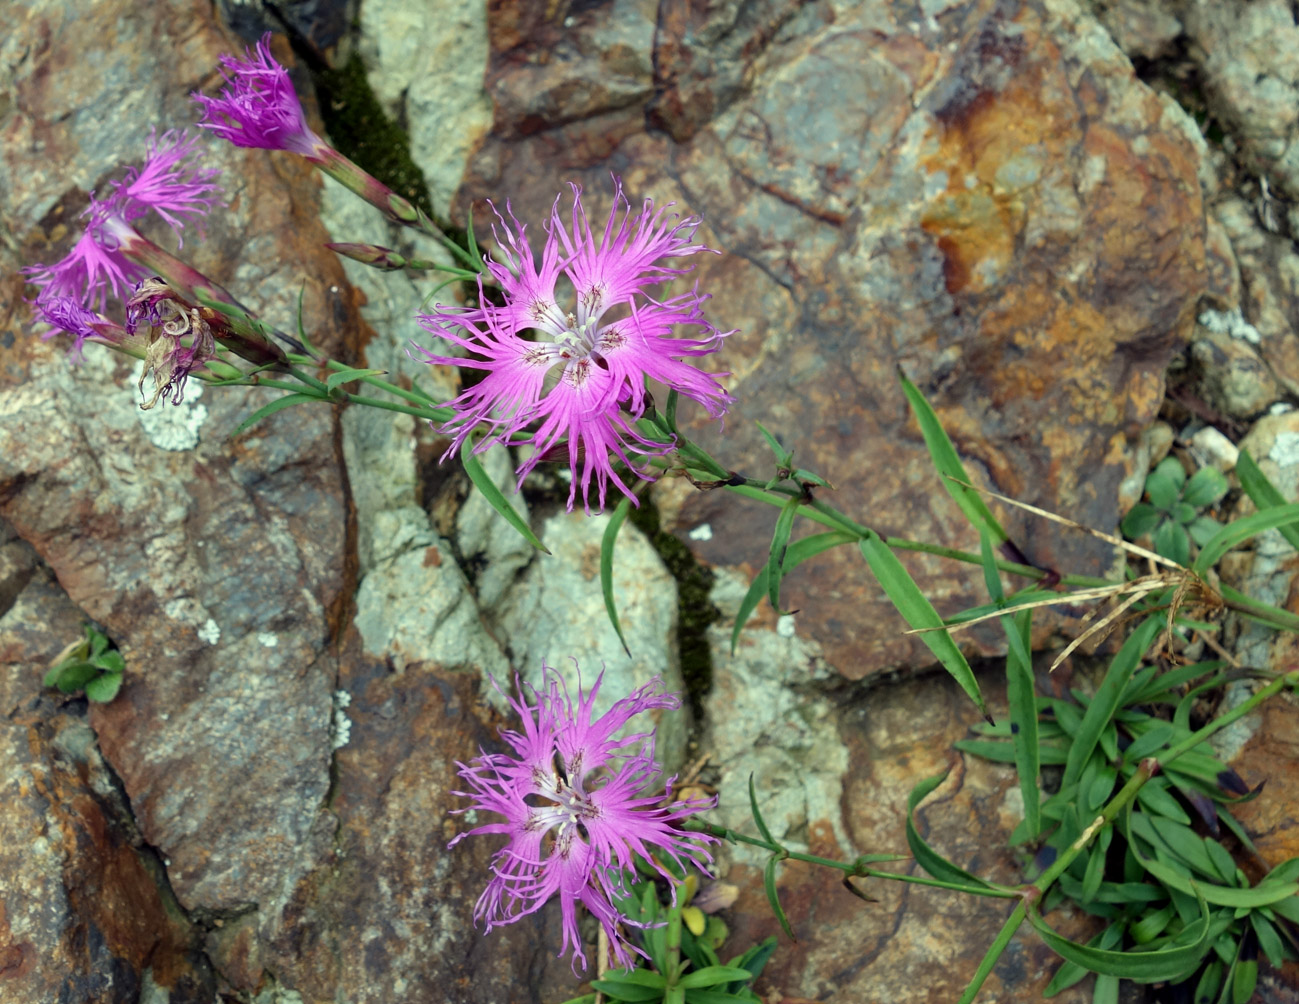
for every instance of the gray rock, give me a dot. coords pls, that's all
(555, 613)
(1249, 53)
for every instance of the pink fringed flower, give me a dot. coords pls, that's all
(258, 107)
(568, 368)
(579, 806)
(169, 184)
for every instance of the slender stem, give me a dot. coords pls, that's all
(999, 945)
(673, 965)
(432, 414)
(857, 866)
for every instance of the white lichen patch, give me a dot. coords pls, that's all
(1231, 322)
(703, 531)
(210, 632)
(267, 640)
(340, 726)
(174, 426)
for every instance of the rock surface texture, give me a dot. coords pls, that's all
(981, 193)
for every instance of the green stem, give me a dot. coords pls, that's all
(858, 866)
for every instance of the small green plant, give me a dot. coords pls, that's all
(88, 664)
(681, 943)
(1173, 516)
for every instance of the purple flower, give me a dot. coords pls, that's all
(93, 269)
(67, 316)
(168, 184)
(578, 370)
(579, 806)
(258, 107)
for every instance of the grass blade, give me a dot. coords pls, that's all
(799, 551)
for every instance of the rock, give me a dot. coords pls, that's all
(1215, 449)
(85, 912)
(424, 64)
(832, 778)
(1249, 55)
(1144, 29)
(1269, 296)
(1231, 377)
(555, 613)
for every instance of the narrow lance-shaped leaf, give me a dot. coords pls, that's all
(279, 404)
(799, 551)
(949, 464)
(779, 545)
(769, 885)
(606, 566)
(484, 483)
(1242, 530)
(926, 857)
(1168, 961)
(919, 613)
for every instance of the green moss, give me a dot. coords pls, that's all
(694, 610)
(361, 130)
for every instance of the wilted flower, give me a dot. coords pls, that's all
(169, 184)
(258, 107)
(178, 338)
(579, 806)
(578, 371)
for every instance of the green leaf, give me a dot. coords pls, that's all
(1023, 718)
(1106, 989)
(712, 976)
(347, 375)
(769, 884)
(104, 687)
(783, 456)
(779, 545)
(1173, 542)
(1241, 530)
(670, 409)
(1141, 519)
(948, 462)
(715, 997)
(110, 662)
(1070, 973)
(279, 404)
(75, 675)
(1210, 982)
(1158, 801)
(1183, 512)
(1105, 703)
(799, 551)
(484, 483)
(754, 960)
(1205, 488)
(1149, 742)
(758, 821)
(1162, 488)
(1095, 871)
(919, 613)
(1244, 980)
(1165, 962)
(1263, 493)
(1203, 529)
(625, 990)
(1268, 939)
(606, 566)
(1152, 925)
(926, 857)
